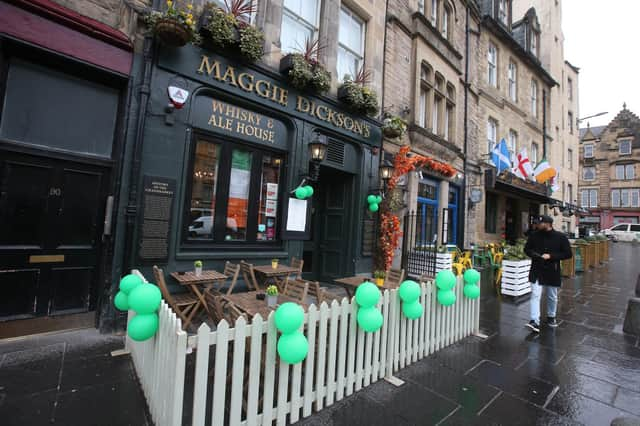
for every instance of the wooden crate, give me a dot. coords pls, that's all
(515, 277)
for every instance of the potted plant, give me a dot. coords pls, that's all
(197, 265)
(443, 259)
(231, 28)
(357, 96)
(274, 263)
(378, 277)
(175, 26)
(515, 270)
(272, 295)
(304, 70)
(394, 126)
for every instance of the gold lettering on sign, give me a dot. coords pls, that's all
(238, 120)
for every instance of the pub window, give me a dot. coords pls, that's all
(299, 23)
(234, 194)
(350, 44)
(491, 213)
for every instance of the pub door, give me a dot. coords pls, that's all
(332, 233)
(51, 220)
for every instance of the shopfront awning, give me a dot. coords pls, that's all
(511, 184)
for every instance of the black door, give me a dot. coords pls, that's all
(511, 218)
(333, 232)
(51, 215)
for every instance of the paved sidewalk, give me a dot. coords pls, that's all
(68, 379)
(584, 372)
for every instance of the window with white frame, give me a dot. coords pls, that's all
(422, 113)
(534, 154)
(503, 11)
(434, 13)
(615, 198)
(589, 173)
(570, 158)
(588, 151)
(620, 172)
(492, 134)
(513, 144)
(625, 172)
(570, 121)
(535, 38)
(628, 197)
(589, 198)
(435, 114)
(570, 87)
(446, 16)
(635, 198)
(421, 6)
(534, 98)
(513, 82)
(624, 147)
(492, 64)
(449, 115)
(351, 37)
(299, 23)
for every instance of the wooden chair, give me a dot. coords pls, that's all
(249, 275)
(393, 278)
(223, 309)
(232, 271)
(296, 289)
(297, 263)
(184, 305)
(321, 294)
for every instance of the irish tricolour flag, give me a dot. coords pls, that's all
(544, 171)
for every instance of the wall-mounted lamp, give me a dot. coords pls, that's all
(385, 171)
(317, 154)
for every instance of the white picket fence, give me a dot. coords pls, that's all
(252, 387)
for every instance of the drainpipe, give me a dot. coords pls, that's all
(544, 123)
(463, 204)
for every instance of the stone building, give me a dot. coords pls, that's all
(609, 184)
(514, 104)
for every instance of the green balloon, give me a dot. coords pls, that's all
(129, 282)
(309, 190)
(367, 295)
(301, 193)
(145, 299)
(289, 317)
(472, 291)
(471, 276)
(445, 280)
(374, 207)
(370, 319)
(372, 199)
(121, 301)
(143, 327)
(446, 297)
(293, 347)
(412, 310)
(409, 291)
(378, 199)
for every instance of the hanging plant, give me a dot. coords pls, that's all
(357, 96)
(175, 26)
(393, 126)
(230, 28)
(304, 70)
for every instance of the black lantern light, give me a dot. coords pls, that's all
(317, 154)
(386, 170)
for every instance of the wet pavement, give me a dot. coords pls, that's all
(584, 372)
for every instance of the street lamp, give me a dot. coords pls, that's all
(385, 171)
(317, 153)
(578, 120)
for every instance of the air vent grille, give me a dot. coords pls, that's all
(335, 152)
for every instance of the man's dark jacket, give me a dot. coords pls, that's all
(554, 243)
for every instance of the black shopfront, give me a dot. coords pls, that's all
(217, 175)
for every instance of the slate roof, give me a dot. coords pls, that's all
(597, 131)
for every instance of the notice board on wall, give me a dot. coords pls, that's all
(155, 219)
(297, 220)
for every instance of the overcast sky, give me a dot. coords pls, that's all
(601, 38)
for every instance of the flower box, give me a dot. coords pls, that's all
(515, 277)
(443, 262)
(172, 32)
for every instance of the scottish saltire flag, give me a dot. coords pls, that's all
(500, 156)
(523, 168)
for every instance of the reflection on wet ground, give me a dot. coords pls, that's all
(586, 371)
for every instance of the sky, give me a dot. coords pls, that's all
(601, 39)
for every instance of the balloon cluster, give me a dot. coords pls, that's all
(369, 317)
(292, 345)
(142, 298)
(304, 192)
(446, 281)
(409, 294)
(374, 202)
(471, 278)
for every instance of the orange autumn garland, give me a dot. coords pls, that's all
(390, 232)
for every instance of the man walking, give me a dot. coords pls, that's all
(546, 248)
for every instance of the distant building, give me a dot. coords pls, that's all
(609, 165)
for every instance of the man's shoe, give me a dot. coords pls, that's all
(534, 326)
(551, 322)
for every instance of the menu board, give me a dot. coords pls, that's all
(157, 207)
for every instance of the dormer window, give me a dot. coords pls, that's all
(534, 42)
(624, 147)
(503, 12)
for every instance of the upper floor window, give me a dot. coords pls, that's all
(625, 197)
(625, 147)
(299, 23)
(492, 134)
(589, 198)
(503, 12)
(625, 172)
(589, 173)
(535, 41)
(534, 154)
(513, 82)
(588, 151)
(492, 64)
(450, 115)
(350, 44)
(434, 13)
(513, 143)
(570, 121)
(570, 88)
(421, 6)
(446, 16)
(570, 158)
(534, 99)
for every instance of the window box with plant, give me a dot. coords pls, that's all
(197, 266)
(175, 26)
(230, 29)
(378, 277)
(393, 126)
(515, 270)
(304, 71)
(272, 295)
(357, 97)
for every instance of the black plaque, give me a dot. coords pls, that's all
(157, 205)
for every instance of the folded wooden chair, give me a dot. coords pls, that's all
(296, 289)
(249, 275)
(298, 264)
(232, 270)
(184, 305)
(393, 278)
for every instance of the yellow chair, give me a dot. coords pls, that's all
(465, 259)
(457, 268)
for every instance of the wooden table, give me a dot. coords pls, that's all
(248, 303)
(275, 275)
(351, 283)
(206, 279)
